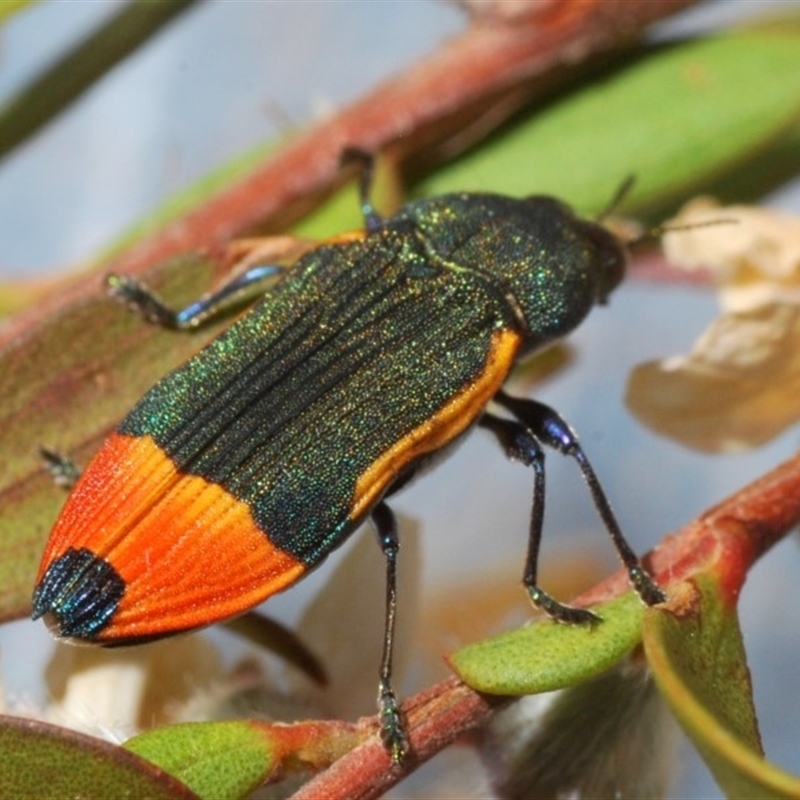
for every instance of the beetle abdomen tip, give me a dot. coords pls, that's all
(78, 594)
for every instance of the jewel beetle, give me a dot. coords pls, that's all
(244, 468)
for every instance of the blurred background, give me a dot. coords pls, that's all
(230, 75)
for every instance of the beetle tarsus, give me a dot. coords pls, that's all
(393, 733)
(138, 297)
(559, 612)
(645, 586)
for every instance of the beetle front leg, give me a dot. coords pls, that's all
(548, 428)
(242, 289)
(521, 445)
(366, 163)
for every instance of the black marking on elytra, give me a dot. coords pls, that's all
(80, 593)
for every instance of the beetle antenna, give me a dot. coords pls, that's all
(660, 230)
(623, 190)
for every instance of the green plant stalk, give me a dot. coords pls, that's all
(70, 76)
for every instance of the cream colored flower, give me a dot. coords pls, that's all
(740, 385)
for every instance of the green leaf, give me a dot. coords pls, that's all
(10, 7)
(231, 759)
(342, 212)
(219, 759)
(46, 762)
(75, 72)
(676, 119)
(549, 655)
(694, 647)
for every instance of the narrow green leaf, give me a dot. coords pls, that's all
(343, 212)
(676, 119)
(218, 759)
(10, 7)
(46, 762)
(18, 295)
(695, 650)
(82, 66)
(548, 655)
(230, 759)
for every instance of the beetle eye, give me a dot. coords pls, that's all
(609, 258)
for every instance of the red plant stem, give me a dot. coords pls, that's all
(436, 717)
(725, 540)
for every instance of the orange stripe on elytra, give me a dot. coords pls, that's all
(453, 419)
(348, 237)
(188, 552)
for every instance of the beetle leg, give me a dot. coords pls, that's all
(63, 470)
(549, 429)
(393, 731)
(366, 161)
(242, 289)
(520, 444)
